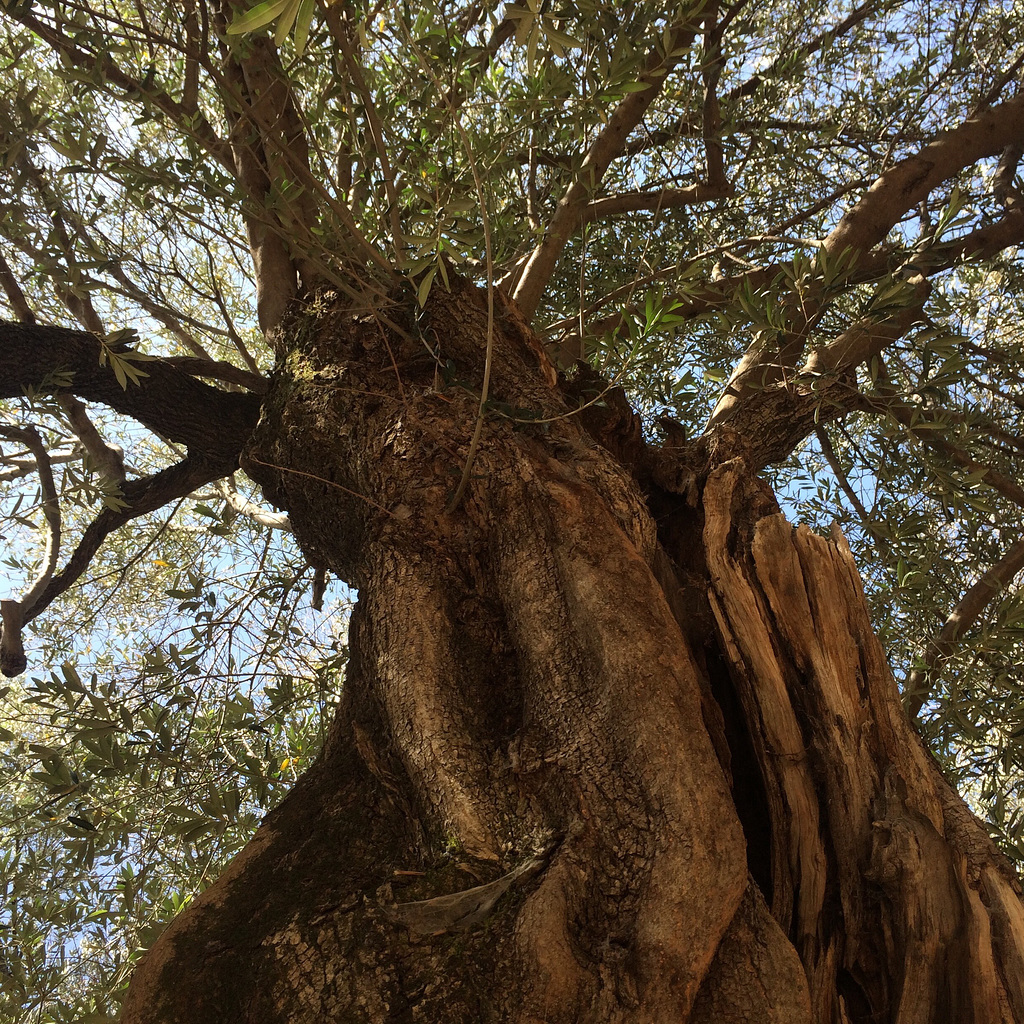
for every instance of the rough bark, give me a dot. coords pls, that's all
(167, 399)
(620, 688)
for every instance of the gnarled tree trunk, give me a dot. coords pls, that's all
(617, 743)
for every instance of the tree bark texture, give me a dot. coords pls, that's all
(617, 743)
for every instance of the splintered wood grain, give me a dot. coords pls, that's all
(799, 866)
(920, 913)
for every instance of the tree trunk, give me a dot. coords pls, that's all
(617, 743)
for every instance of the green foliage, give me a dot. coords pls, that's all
(125, 791)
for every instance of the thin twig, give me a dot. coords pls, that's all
(341, 30)
(323, 480)
(843, 480)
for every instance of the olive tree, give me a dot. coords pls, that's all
(523, 316)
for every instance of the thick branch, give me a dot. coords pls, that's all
(893, 193)
(240, 504)
(858, 343)
(607, 146)
(212, 423)
(274, 269)
(923, 678)
(980, 244)
(862, 341)
(906, 184)
(768, 410)
(108, 459)
(761, 368)
(1002, 182)
(168, 401)
(15, 296)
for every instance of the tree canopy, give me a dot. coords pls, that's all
(785, 230)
